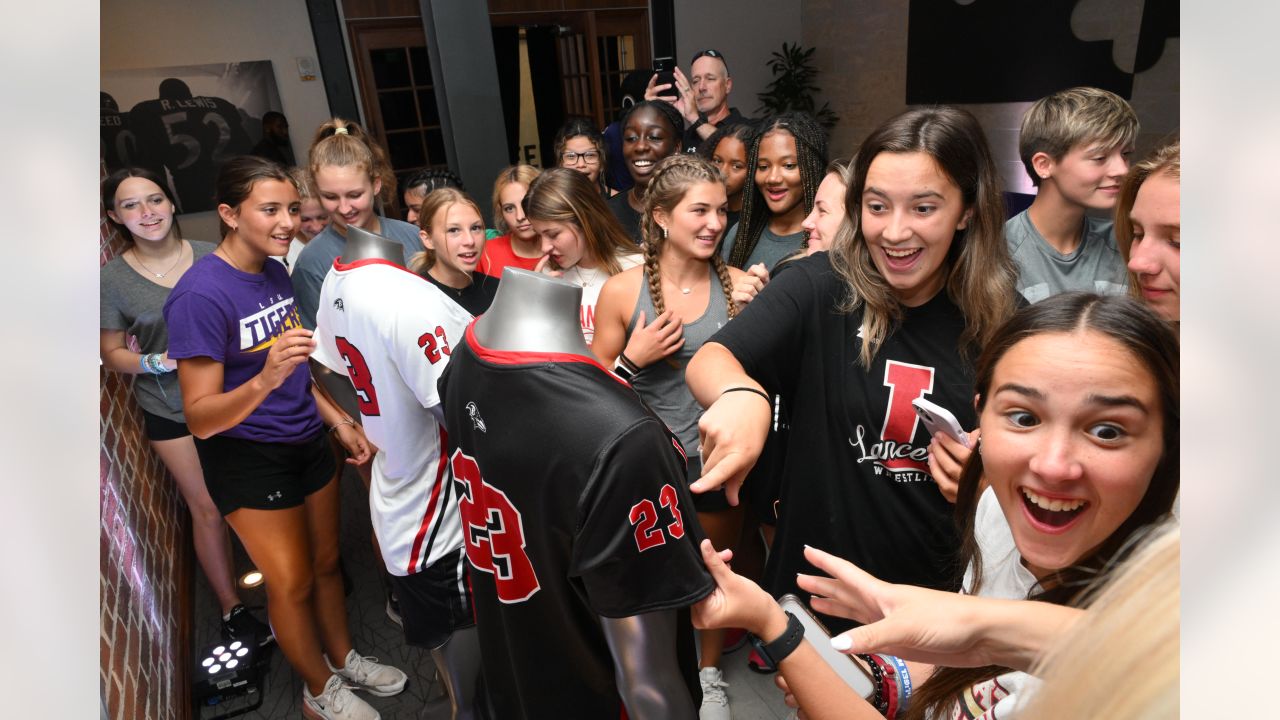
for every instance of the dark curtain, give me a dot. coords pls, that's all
(506, 52)
(544, 66)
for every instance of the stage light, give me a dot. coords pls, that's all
(226, 672)
(251, 579)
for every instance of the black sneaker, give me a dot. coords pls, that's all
(242, 624)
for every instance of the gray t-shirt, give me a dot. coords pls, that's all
(662, 384)
(1095, 266)
(132, 303)
(769, 250)
(316, 259)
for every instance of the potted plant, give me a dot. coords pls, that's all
(793, 87)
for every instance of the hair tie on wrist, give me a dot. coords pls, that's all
(761, 393)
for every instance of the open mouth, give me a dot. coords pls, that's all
(1050, 512)
(642, 166)
(901, 259)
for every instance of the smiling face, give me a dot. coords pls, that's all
(777, 172)
(1071, 435)
(730, 158)
(1155, 253)
(347, 194)
(1088, 175)
(457, 239)
(647, 138)
(911, 212)
(313, 219)
(695, 224)
(565, 243)
(512, 212)
(142, 207)
(828, 213)
(711, 84)
(580, 146)
(267, 219)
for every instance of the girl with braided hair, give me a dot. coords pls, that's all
(581, 241)
(788, 156)
(652, 319)
(651, 131)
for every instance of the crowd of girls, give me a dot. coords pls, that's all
(841, 292)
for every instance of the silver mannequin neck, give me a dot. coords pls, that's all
(533, 312)
(364, 245)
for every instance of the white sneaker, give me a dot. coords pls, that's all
(715, 704)
(368, 674)
(336, 702)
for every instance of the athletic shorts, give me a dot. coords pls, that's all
(162, 428)
(712, 501)
(436, 601)
(262, 475)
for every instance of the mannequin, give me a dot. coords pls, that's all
(534, 313)
(457, 660)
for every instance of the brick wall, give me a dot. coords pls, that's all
(145, 557)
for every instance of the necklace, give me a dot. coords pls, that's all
(227, 256)
(683, 290)
(182, 250)
(582, 281)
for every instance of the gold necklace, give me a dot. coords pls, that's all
(182, 250)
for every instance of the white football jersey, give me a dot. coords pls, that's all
(391, 332)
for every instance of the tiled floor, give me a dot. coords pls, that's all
(751, 696)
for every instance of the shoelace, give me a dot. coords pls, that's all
(334, 698)
(713, 691)
(360, 667)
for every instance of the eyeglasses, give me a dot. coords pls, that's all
(590, 157)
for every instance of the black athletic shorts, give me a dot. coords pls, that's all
(712, 501)
(162, 428)
(436, 601)
(262, 475)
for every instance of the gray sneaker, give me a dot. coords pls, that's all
(336, 702)
(368, 674)
(715, 704)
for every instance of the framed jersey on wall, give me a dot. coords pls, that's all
(183, 122)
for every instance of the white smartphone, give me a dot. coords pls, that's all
(938, 419)
(846, 667)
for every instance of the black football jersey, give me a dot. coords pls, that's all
(574, 506)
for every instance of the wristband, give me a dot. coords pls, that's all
(761, 393)
(348, 421)
(152, 364)
(628, 363)
(621, 370)
(777, 650)
(903, 680)
(878, 699)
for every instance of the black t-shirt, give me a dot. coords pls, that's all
(574, 506)
(627, 216)
(855, 478)
(191, 137)
(474, 298)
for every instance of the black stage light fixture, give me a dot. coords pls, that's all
(225, 671)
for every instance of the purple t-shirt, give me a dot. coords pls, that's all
(234, 317)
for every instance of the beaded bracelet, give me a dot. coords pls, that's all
(878, 699)
(152, 364)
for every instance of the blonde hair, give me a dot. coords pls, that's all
(1055, 124)
(306, 185)
(672, 178)
(1164, 160)
(1121, 661)
(342, 143)
(565, 195)
(432, 204)
(980, 272)
(523, 174)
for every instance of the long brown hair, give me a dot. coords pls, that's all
(672, 178)
(981, 275)
(566, 195)
(112, 184)
(1151, 342)
(1166, 159)
(432, 204)
(237, 177)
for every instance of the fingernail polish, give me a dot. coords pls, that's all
(841, 642)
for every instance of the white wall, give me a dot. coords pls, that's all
(144, 33)
(746, 31)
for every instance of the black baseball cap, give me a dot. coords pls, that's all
(710, 53)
